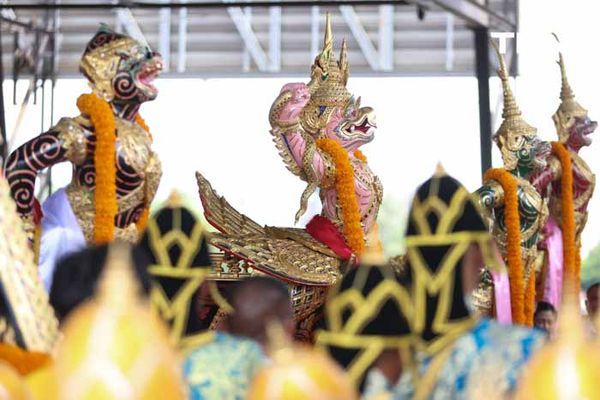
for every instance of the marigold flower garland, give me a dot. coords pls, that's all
(530, 299)
(570, 256)
(513, 240)
(346, 194)
(23, 361)
(359, 154)
(105, 196)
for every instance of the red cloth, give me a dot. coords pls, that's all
(37, 212)
(324, 231)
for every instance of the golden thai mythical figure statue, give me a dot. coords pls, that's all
(318, 128)
(28, 326)
(568, 183)
(516, 210)
(115, 172)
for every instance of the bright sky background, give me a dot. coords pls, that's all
(220, 127)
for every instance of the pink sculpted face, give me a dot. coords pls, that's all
(351, 126)
(580, 131)
(354, 126)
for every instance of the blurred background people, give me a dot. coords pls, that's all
(224, 365)
(459, 353)
(544, 318)
(366, 328)
(76, 277)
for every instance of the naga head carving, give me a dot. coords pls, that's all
(522, 150)
(324, 107)
(573, 125)
(119, 68)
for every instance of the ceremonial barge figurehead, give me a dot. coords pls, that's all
(115, 172)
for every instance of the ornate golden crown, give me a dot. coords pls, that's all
(327, 85)
(508, 136)
(569, 108)
(100, 60)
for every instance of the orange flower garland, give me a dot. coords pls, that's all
(530, 299)
(359, 154)
(513, 240)
(570, 256)
(346, 194)
(105, 197)
(23, 361)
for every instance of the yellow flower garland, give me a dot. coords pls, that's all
(346, 194)
(570, 256)
(105, 196)
(513, 239)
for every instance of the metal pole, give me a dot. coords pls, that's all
(482, 61)
(3, 144)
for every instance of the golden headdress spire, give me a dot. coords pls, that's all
(569, 108)
(344, 62)
(327, 84)
(513, 124)
(511, 109)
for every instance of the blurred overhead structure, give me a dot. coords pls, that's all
(235, 38)
(199, 39)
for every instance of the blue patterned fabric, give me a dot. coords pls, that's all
(223, 368)
(487, 360)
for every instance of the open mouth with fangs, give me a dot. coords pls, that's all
(147, 74)
(364, 127)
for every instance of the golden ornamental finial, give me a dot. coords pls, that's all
(328, 38)
(511, 109)
(439, 170)
(373, 254)
(566, 93)
(344, 62)
(118, 288)
(175, 199)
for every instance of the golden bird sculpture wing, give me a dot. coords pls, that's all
(289, 254)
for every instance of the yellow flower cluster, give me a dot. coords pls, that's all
(512, 221)
(105, 197)
(346, 194)
(570, 249)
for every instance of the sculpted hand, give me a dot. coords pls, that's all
(292, 109)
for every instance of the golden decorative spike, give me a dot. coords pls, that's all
(511, 109)
(344, 62)
(566, 93)
(373, 254)
(569, 108)
(175, 199)
(328, 38)
(439, 170)
(118, 287)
